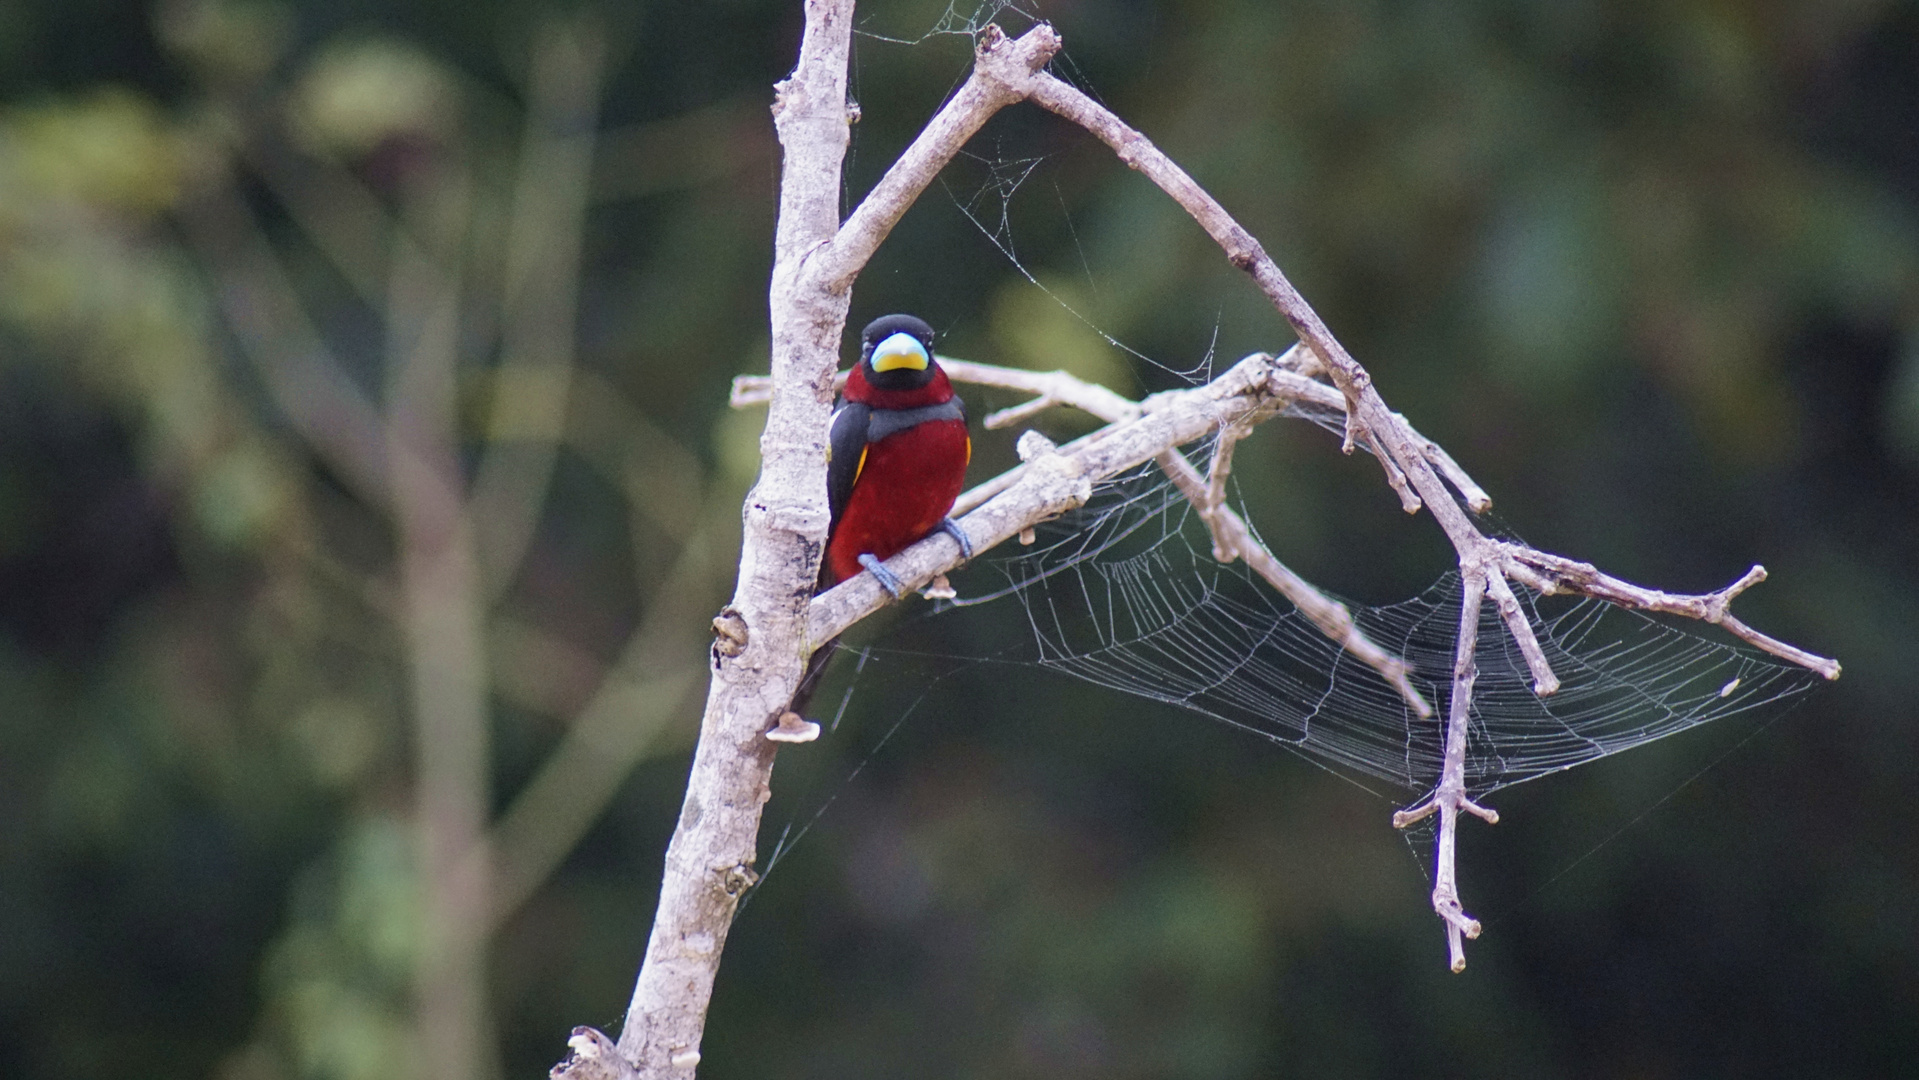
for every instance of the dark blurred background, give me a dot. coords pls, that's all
(1649, 270)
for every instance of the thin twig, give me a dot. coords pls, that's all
(1231, 534)
(1245, 252)
(1557, 573)
(1544, 681)
(1476, 498)
(1449, 797)
(1002, 67)
(1217, 471)
(1057, 387)
(1395, 476)
(1018, 414)
(1295, 381)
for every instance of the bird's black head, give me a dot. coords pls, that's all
(897, 351)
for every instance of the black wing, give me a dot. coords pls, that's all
(846, 452)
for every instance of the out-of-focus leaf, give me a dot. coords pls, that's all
(357, 95)
(112, 148)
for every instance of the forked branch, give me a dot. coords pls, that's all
(774, 621)
(1414, 467)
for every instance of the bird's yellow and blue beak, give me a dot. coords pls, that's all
(901, 350)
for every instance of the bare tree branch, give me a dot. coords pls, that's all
(1413, 464)
(774, 622)
(1001, 70)
(1449, 797)
(709, 862)
(1054, 483)
(1554, 573)
(1138, 152)
(1231, 537)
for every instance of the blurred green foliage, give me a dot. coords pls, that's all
(1649, 270)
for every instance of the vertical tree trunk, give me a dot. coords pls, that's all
(755, 671)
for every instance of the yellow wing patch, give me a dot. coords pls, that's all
(861, 467)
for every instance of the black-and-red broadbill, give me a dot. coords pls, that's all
(898, 452)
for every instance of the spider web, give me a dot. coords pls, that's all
(962, 20)
(1125, 594)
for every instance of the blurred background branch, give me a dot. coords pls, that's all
(378, 473)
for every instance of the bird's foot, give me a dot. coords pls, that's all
(887, 579)
(952, 529)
